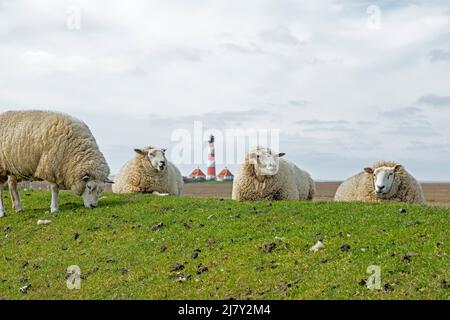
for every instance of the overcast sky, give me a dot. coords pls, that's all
(346, 83)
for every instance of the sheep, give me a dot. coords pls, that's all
(265, 176)
(53, 147)
(149, 172)
(383, 181)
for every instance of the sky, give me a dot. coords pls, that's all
(344, 83)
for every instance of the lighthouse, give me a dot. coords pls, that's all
(211, 171)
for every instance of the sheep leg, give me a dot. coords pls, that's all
(2, 208)
(54, 207)
(15, 196)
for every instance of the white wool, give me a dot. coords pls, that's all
(53, 147)
(289, 182)
(138, 176)
(360, 187)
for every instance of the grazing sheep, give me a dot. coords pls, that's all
(384, 181)
(149, 172)
(265, 176)
(53, 147)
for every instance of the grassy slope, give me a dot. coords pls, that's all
(119, 253)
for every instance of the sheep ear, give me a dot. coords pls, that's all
(109, 181)
(139, 151)
(252, 157)
(398, 167)
(85, 178)
(281, 154)
(368, 170)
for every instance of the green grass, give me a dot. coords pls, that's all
(119, 252)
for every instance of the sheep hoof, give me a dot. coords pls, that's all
(2, 214)
(20, 209)
(54, 210)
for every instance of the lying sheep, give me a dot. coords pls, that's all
(54, 147)
(384, 181)
(265, 176)
(149, 172)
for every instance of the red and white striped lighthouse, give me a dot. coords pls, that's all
(211, 171)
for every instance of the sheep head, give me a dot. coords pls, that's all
(263, 161)
(385, 180)
(155, 157)
(90, 189)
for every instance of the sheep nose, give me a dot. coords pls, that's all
(162, 163)
(380, 188)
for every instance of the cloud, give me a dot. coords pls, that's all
(401, 113)
(214, 120)
(288, 105)
(440, 147)
(439, 55)
(279, 35)
(46, 62)
(411, 129)
(297, 103)
(135, 72)
(325, 126)
(435, 100)
(250, 48)
(322, 122)
(184, 53)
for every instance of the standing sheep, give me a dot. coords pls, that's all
(149, 172)
(53, 147)
(265, 176)
(384, 181)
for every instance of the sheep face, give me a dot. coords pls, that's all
(265, 162)
(156, 157)
(384, 180)
(92, 192)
